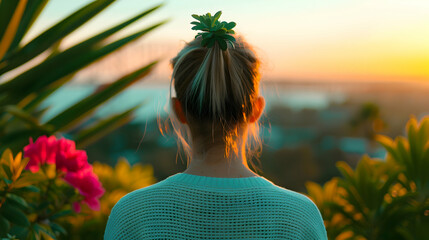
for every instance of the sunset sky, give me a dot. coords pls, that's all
(361, 40)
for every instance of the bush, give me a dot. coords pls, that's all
(117, 182)
(44, 187)
(42, 194)
(382, 198)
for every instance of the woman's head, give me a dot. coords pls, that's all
(217, 96)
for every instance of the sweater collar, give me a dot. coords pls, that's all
(217, 182)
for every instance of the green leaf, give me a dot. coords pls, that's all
(220, 32)
(216, 28)
(19, 113)
(32, 11)
(228, 37)
(33, 235)
(7, 181)
(207, 21)
(424, 130)
(196, 17)
(387, 143)
(425, 165)
(338, 208)
(52, 35)
(4, 226)
(103, 127)
(25, 117)
(63, 64)
(222, 44)
(30, 188)
(354, 198)
(44, 230)
(57, 228)
(54, 49)
(211, 42)
(6, 169)
(216, 16)
(7, 9)
(14, 215)
(11, 28)
(386, 186)
(70, 56)
(79, 110)
(405, 158)
(204, 42)
(35, 99)
(42, 205)
(28, 178)
(230, 25)
(16, 200)
(63, 213)
(207, 35)
(345, 170)
(362, 176)
(198, 27)
(7, 157)
(415, 150)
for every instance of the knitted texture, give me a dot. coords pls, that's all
(187, 206)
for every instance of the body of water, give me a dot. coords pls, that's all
(155, 99)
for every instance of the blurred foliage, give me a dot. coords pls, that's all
(381, 199)
(21, 95)
(32, 203)
(117, 182)
(369, 120)
(38, 205)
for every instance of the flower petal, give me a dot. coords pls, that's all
(76, 207)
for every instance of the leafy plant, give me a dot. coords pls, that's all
(21, 95)
(44, 187)
(13, 181)
(381, 199)
(213, 30)
(323, 196)
(117, 182)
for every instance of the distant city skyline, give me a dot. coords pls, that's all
(297, 40)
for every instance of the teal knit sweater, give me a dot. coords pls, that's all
(187, 206)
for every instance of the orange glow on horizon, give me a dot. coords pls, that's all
(366, 40)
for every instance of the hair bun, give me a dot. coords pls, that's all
(216, 80)
(213, 30)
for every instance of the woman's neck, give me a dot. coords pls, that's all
(213, 163)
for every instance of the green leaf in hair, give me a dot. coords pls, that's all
(214, 30)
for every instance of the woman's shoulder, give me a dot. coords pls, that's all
(291, 196)
(295, 204)
(137, 196)
(304, 211)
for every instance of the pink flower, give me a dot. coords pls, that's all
(43, 151)
(68, 159)
(73, 162)
(86, 181)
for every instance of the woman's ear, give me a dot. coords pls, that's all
(257, 109)
(178, 110)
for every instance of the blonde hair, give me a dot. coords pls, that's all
(216, 88)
